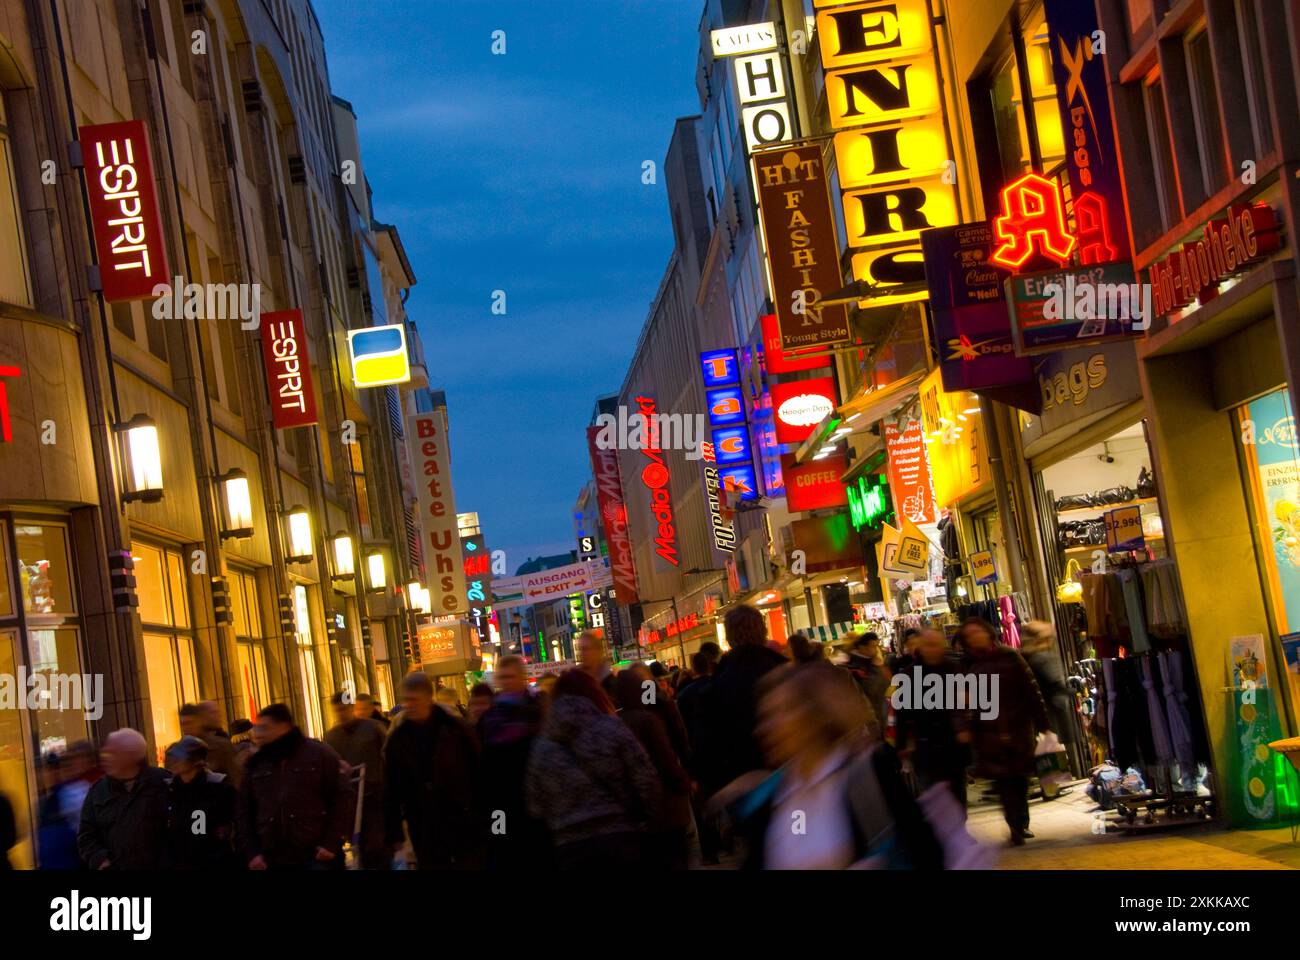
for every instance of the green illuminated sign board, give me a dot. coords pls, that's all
(869, 504)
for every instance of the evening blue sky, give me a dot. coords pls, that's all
(520, 173)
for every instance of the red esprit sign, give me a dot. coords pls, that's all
(124, 210)
(1032, 221)
(288, 369)
(6, 433)
(814, 485)
(1228, 245)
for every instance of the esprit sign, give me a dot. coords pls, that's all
(124, 210)
(892, 154)
(1226, 246)
(444, 564)
(803, 256)
(288, 369)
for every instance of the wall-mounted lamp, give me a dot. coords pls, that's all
(236, 505)
(344, 564)
(376, 570)
(141, 459)
(297, 529)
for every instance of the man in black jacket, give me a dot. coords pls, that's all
(200, 810)
(429, 768)
(295, 802)
(360, 742)
(124, 819)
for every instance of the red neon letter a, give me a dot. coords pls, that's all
(1032, 217)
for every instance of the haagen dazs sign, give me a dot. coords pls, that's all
(124, 210)
(801, 405)
(288, 369)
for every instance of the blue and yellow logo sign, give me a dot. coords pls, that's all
(379, 356)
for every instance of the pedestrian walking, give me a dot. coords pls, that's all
(867, 664)
(295, 803)
(203, 720)
(201, 806)
(690, 704)
(934, 739)
(368, 709)
(836, 798)
(360, 742)
(480, 701)
(430, 764)
(124, 819)
(671, 824)
(590, 781)
(1003, 739)
(593, 660)
(69, 777)
(506, 733)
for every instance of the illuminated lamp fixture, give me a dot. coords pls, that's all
(376, 571)
(141, 459)
(236, 505)
(418, 596)
(297, 531)
(344, 561)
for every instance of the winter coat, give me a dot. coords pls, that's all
(212, 846)
(293, 799)
(1047, 669)
(729, 714)
(1004, 745)
(929, 732)
(221, 756)
(588, 776)
(126, 828)
(8, 832)
(362, 741)
(506, 733)
(873, 680)
(674, 812)
(429, 772)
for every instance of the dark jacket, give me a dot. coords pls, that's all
(506, 733)
(674, 811)
(361, 741)
(729, 713)
(873, 680)
(222, 758)
(588, 776)
(294, 798)
(929, 732)
(1004, 745)
(207, 842)
(8, 832)
(429, 772)
(128, 828)
(1047, 669)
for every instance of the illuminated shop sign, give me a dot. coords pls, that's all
(909, 469)
(814, 485)
(801, 405)
(737, 41)
(725, 402)
(739, 481)
(1228, 245)
(444, 564)
(288, 369)
(6, 431)
(892, 155)
(869, 504)
(379, 356)
(1031, 221)
(802, 253)
(613, 516)
(776, 360)
(655, 476)
(760, 82)
(124, 210)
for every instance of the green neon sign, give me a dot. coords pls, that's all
(869, 503)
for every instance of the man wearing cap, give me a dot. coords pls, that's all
(200, 810)
(124, 819)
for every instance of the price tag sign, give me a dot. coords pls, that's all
(983, 568)
(1124, 529)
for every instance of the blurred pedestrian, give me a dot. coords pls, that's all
(594, 661)
(837, 798)
(671, 824)
(1003, 737)
(360, 742)
(867, 664)
(934, 738)
(1038, 647)
(589, 780)
(689, 704)
(449, 700)
(906, 655)
(480, 702)
(729, 712)
(201, 807)
(295, 803)
(803, 650)
(368, 709)
(8, 832)
(70, 776)
(430, 765)
(241, 741)
(506, 734)
(124, 819)
(203, 720)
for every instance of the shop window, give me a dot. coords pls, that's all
(164, 611)
(307, 661)
(15, 781)
(15, 280)
(6, 591)
(250, 640)
(251, 661)
(1166, 176)
(384, 685)
(1205, 104)
(1252, 57)
(44, 570)
(55, 652)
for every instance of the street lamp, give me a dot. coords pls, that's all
(141, 459)
(237, 506)
(376, 570)
(344, 564)
(420, 600)
(297, 523)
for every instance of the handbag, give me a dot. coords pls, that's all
(1146, 485)
(1070, 590)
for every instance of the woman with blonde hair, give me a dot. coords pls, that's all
(836, 799)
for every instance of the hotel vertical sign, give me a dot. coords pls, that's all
(288, 369)
(883, 93)
(803, 256)
(444, 564)
(124, 210)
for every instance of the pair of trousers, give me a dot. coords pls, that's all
(1013, 793)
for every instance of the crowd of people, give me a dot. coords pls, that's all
(769, 755)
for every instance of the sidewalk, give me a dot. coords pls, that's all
(1064, 839)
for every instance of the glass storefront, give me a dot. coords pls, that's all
(170, 664)
(307, 662)
(250, 643)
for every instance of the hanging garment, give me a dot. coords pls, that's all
(1131, 589)
(1180, 731)
(1094, 605)
(1007, 614)
(1164, 603)
(1148, 673)
(1111, 692)
(1117, 622)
